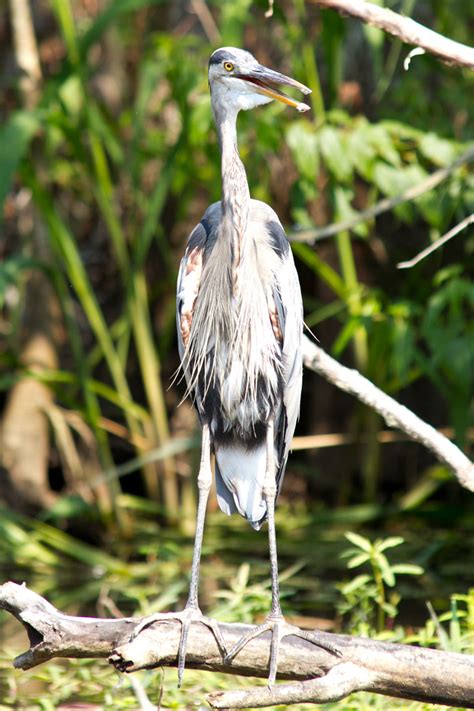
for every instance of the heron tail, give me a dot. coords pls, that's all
(239, 482)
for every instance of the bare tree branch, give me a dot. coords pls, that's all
(382, 667)
(394, 414)
(431, 182)
(208, 23)
(406, 29)
(469, 220)
(26, 51)
(340, 681)
(341, 439)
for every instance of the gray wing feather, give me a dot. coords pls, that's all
(200, 241)
(289, 307)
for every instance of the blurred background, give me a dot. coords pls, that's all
(108, 158)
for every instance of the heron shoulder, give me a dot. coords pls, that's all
(262, 212)
(259, 212)
(261, 216)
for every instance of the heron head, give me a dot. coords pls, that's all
(238, 81)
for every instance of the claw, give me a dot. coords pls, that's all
(186, 617)
(279, 628)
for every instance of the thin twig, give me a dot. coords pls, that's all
(269, 12)
(340, 439)
(208, 23)
(339, 682)
(140, 693)
(469, 220)
(26, 51)
(406, 29)
(431, 182)
(415, 52)
(395, 415)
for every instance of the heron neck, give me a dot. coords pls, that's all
(235, 188)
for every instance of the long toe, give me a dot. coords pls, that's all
(319, 639)
(151, 619)
(186, 617)
(279, 629)
(274, 626)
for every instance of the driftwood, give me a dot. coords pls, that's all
(405, 29)
(394, 414)
(317, 676)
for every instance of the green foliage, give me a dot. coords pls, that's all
(448, 331)
(366, 600)
(12, 272)
(15, 138)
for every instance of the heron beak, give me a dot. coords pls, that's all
(263, 81)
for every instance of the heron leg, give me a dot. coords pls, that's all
(192, 612)
(275, 622)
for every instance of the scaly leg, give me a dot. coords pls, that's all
(191, 612)
(275, 622)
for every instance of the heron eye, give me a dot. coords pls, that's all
(228, 66)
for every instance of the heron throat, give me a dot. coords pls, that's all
(235, 189)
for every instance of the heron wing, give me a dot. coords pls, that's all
(190, 271)
(289, 309)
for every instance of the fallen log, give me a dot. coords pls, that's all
(316, 676)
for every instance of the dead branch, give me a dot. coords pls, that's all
(394, 414)
(405, 29)
(384, 205)
(392, 669)
(469, 220)
(26, 51)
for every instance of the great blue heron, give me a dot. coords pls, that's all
(240, 322)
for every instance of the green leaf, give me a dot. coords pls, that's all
(15, 137)
(380, 139)
(303, 144)
(361, 153)
(393, 181)
(359, 541)
(359, 559)
(391, 542)
(345, 335)
(320, 267)
(344, 211)
(72, 95)
(358, 582)
(335, 153)
(389, 609)
(11, 270)
(67, 507)
(386, 570)
(438, 150)
(407, 569)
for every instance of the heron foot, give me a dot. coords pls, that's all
(186, 617)
(279, 628)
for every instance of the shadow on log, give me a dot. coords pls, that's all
(317, 676)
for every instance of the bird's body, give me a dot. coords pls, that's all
(239, 309)
(239, 319)
(239, 325)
